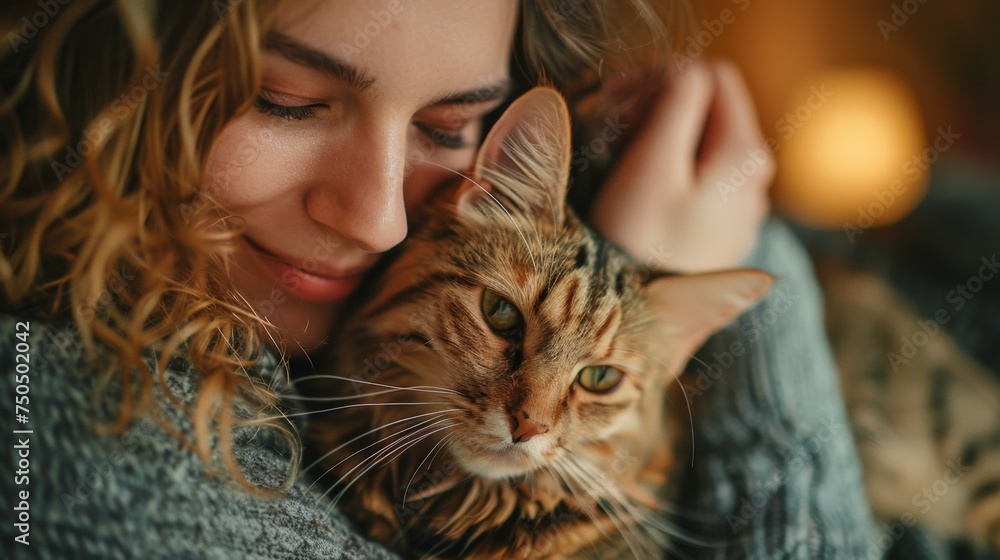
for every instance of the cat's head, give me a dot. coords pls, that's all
(546, 339)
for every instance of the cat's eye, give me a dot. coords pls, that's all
(500, 313)
(600, 379)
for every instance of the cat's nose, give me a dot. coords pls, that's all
(523, 428)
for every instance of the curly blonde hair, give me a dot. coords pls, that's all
(108, 111)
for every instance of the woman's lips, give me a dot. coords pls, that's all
(315, 286)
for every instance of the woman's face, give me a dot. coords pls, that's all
(359, 100)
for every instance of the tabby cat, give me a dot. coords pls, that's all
(926, 416)
(502, 392)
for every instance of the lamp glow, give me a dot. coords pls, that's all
(849, 160)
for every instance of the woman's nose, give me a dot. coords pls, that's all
(360, 194)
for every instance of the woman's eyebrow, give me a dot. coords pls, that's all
(317, 60)
(482, 94)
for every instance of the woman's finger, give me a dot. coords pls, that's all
(659, 160)
(735, 103)
(678, 120)
(732, 134)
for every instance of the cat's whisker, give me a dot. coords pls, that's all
(591, 473)
(687, 400)
(348, 398)
(364, 405)
(640, 515)
(527, 245)
(400, 439)
(448, 484)
(438, 446)
(588, 486)
(399, 436)
(398, 448)
(440, 549)
(591, 513)
(640, 355)
(648, 518)
(435, 414)
(617, 508)
(699, 360)
(421, 388)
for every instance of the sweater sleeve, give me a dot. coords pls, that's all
(141, 493)
(775, 469)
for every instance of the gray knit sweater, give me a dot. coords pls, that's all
(775, 471)
(142, 494)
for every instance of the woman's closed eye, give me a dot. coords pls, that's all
(450, 138)
(287, 112)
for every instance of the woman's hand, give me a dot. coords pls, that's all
(689, 192)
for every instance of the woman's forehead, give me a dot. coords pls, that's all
(418, 49)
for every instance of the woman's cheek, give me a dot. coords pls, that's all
(251, 164)
(235, 152)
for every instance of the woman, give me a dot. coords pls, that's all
(192, 192)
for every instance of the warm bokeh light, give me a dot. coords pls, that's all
(853, 151)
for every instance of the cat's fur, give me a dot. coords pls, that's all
(926, 416)
(593, 478)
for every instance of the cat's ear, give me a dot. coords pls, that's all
(524, 161)
(691, 307)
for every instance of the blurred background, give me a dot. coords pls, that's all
(884, 119)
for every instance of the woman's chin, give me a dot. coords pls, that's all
(301, 326)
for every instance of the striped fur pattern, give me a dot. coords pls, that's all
(422, 447)
(926, 416)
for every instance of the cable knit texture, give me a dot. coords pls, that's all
(142, 494)
(774, 460)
